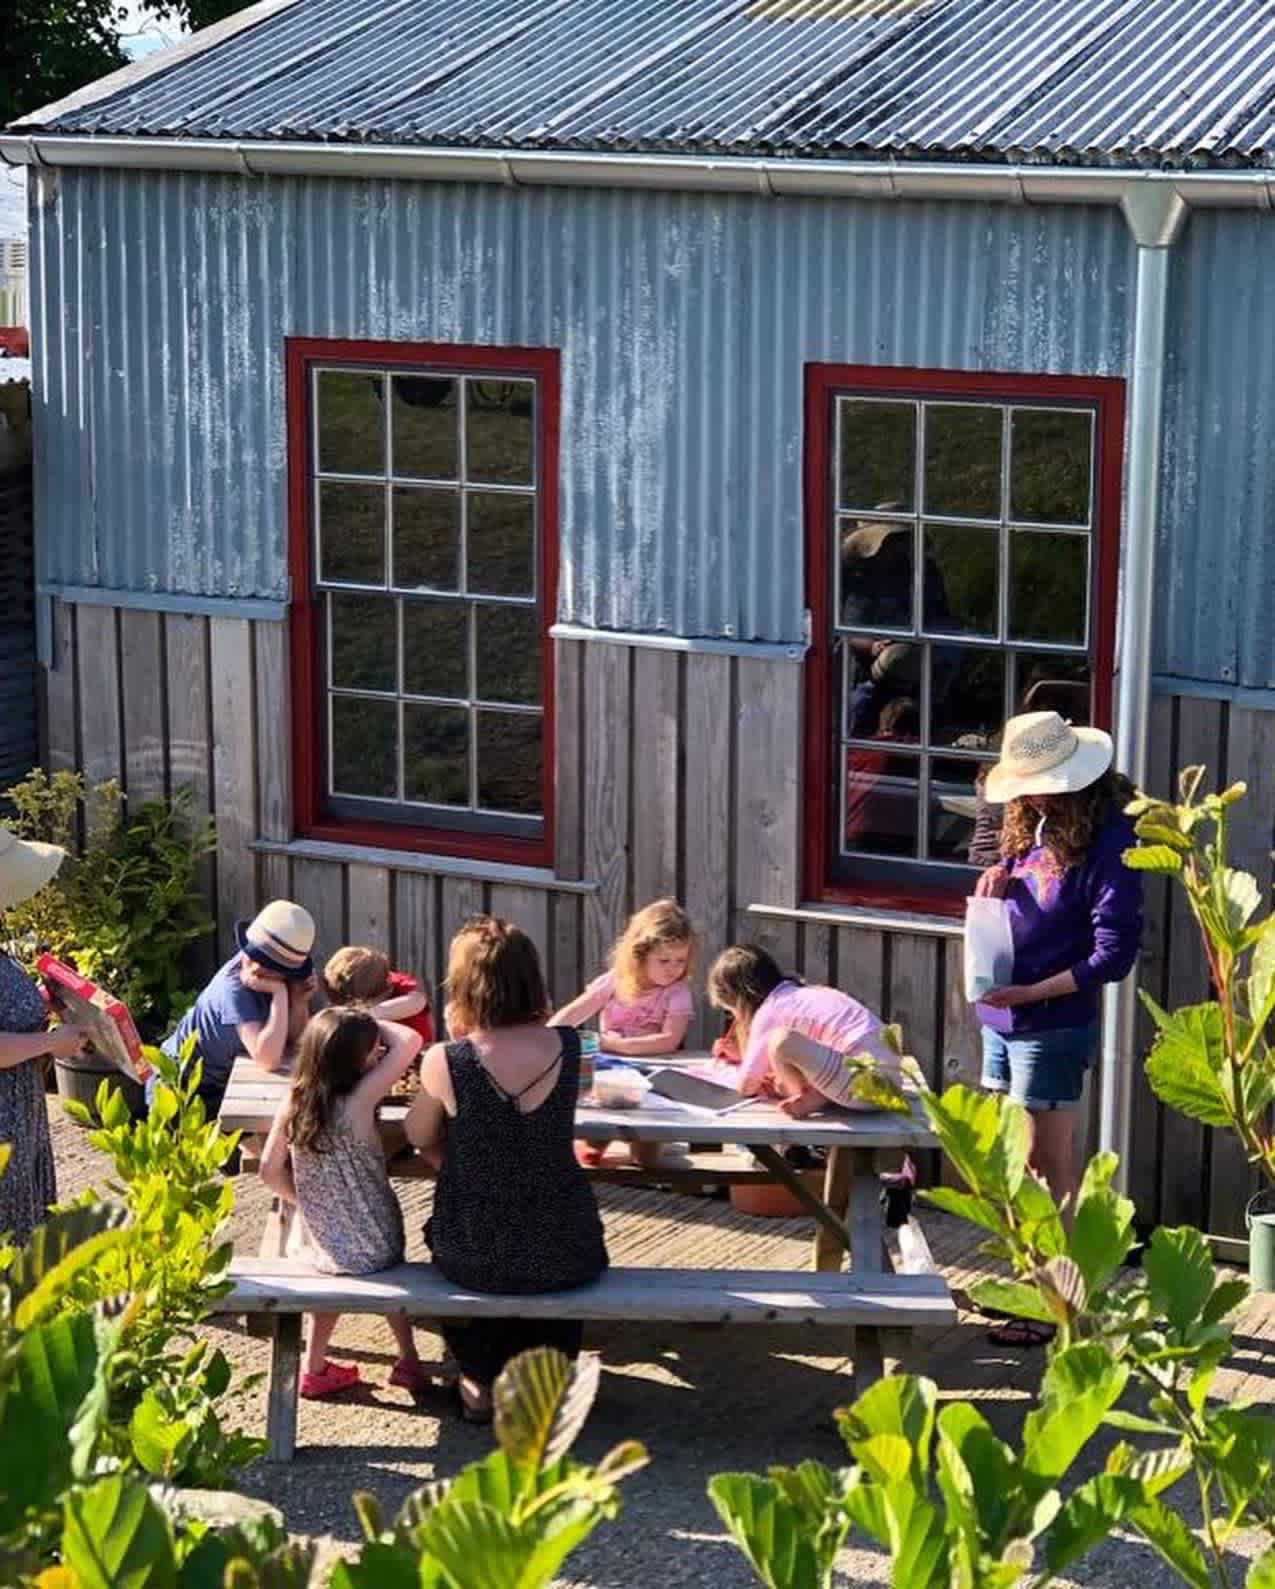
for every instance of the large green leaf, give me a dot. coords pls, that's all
(381, 1566)
(966, 1124)
(977, 1472)
(965, 1205)
(902, 1406)
(1014, 1297)
(1261, 1575)
(1088, 1515)
(160, 1439)
(115, 1537)
(58, 1252)
(541, 1402)
(1081, 1385)
(1179, 1270)
(1261, 977)
(1102, 1231)
(1152, 858)
(1184, 1061)
(918, 1546)
(53, 1372)
(1170, 1538)
(769, 1530)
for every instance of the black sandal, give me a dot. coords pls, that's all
(1024, 1333)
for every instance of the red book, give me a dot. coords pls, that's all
(113, 1035)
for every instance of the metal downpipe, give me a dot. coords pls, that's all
(1155, 225)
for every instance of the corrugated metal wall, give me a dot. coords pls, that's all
(684, 321)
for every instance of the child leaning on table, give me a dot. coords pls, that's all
(643, 1002)
(361, 976)
(324, 1154)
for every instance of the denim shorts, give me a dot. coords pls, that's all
(1041, 1070)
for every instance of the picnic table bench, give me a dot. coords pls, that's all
(873, 1301)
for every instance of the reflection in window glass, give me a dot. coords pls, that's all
(967, 696)
(875, 560)
(499, 432)
(351, 422)
(351, 533)
(961, 584)
(436, 648)
(508, 654)
(1048, 682)
(1050, 465)
(1048, 584)
(877, 455)
(963, 460)
(426, 538)
(501, 537)
(953, 805)
(426, 427)
(510, 748)
(436, 754)
(881, 801)
(364, 747)
(364, 643)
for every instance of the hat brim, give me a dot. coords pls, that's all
(27, 867)
(267, 961)
(1091, 758)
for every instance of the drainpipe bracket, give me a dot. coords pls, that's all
(1155, 213)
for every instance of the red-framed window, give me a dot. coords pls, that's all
(962, 554)
(423, 552)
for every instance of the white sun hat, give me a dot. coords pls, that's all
(25, 867)
(280, 938)
(1042, 754)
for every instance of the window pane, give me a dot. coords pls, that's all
(364, 747)
(967, 696)
(436, 648)
(878, 455)
(1052, 683)
(352, 533)
(501, 530)
(510, 755)
(426, 539)
(425, 427)
(881, 680)
(1050, 468)
(436, 754)
(881, 794)
(962, 583)
(351, 422)
(364, 642)
(508, 642)
(499, 431)
(875, 564)
(1048, 579)
(953, 803)
(963, 460)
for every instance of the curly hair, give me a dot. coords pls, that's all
(331, 1058)
(662, 922)
(494, 977)
(1071, 820)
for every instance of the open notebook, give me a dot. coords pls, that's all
(695, 1093)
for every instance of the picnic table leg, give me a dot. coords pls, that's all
(285, 1371)
(867, 1239)
(829, 1254)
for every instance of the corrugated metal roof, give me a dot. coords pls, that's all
(1151, 82)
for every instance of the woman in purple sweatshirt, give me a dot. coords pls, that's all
(1076, 917)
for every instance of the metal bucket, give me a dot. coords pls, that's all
(1259, 1216)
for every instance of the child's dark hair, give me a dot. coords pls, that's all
(331, 1059)
(742, 978)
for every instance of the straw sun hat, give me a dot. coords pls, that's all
(280, 938)
(1042, 754)
(25, 867)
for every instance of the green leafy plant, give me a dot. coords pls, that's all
(127, 907)
(1213, 1061)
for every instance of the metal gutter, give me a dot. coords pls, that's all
(1014, 184)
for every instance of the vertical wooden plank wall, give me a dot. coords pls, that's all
(677, 774)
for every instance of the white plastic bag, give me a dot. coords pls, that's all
(989, 947)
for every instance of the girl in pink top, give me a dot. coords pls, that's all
(795, 1037)
(644, 1001)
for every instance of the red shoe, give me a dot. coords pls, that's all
(333, 1378)
(410, 1374)
(589, 1154)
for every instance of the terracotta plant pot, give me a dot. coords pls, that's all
(772, 1202)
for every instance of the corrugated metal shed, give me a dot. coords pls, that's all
(163, 302)
(1058, 81)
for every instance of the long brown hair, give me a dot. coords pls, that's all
(331, 1058)
(741, 979)
(663, 921)
(1071, 820)
(494, 976)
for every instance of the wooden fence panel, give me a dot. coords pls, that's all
(568, 689)
(767, 803)
(607, 752)
(656, 742)
(527, 908)
(416, 933)
(367, 907)
(234, 772)
(97, 660)
(142, 680)
(274, 756)
(320, 887)
(706, 813)
(61, 693)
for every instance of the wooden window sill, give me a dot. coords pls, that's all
(433, 865)
(864, 916)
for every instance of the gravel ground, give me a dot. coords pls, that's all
(703, 1401)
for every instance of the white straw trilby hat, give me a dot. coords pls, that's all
(1041, 754)
(25, 867)
(280, 937)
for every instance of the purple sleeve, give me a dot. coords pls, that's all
(1115, 908)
